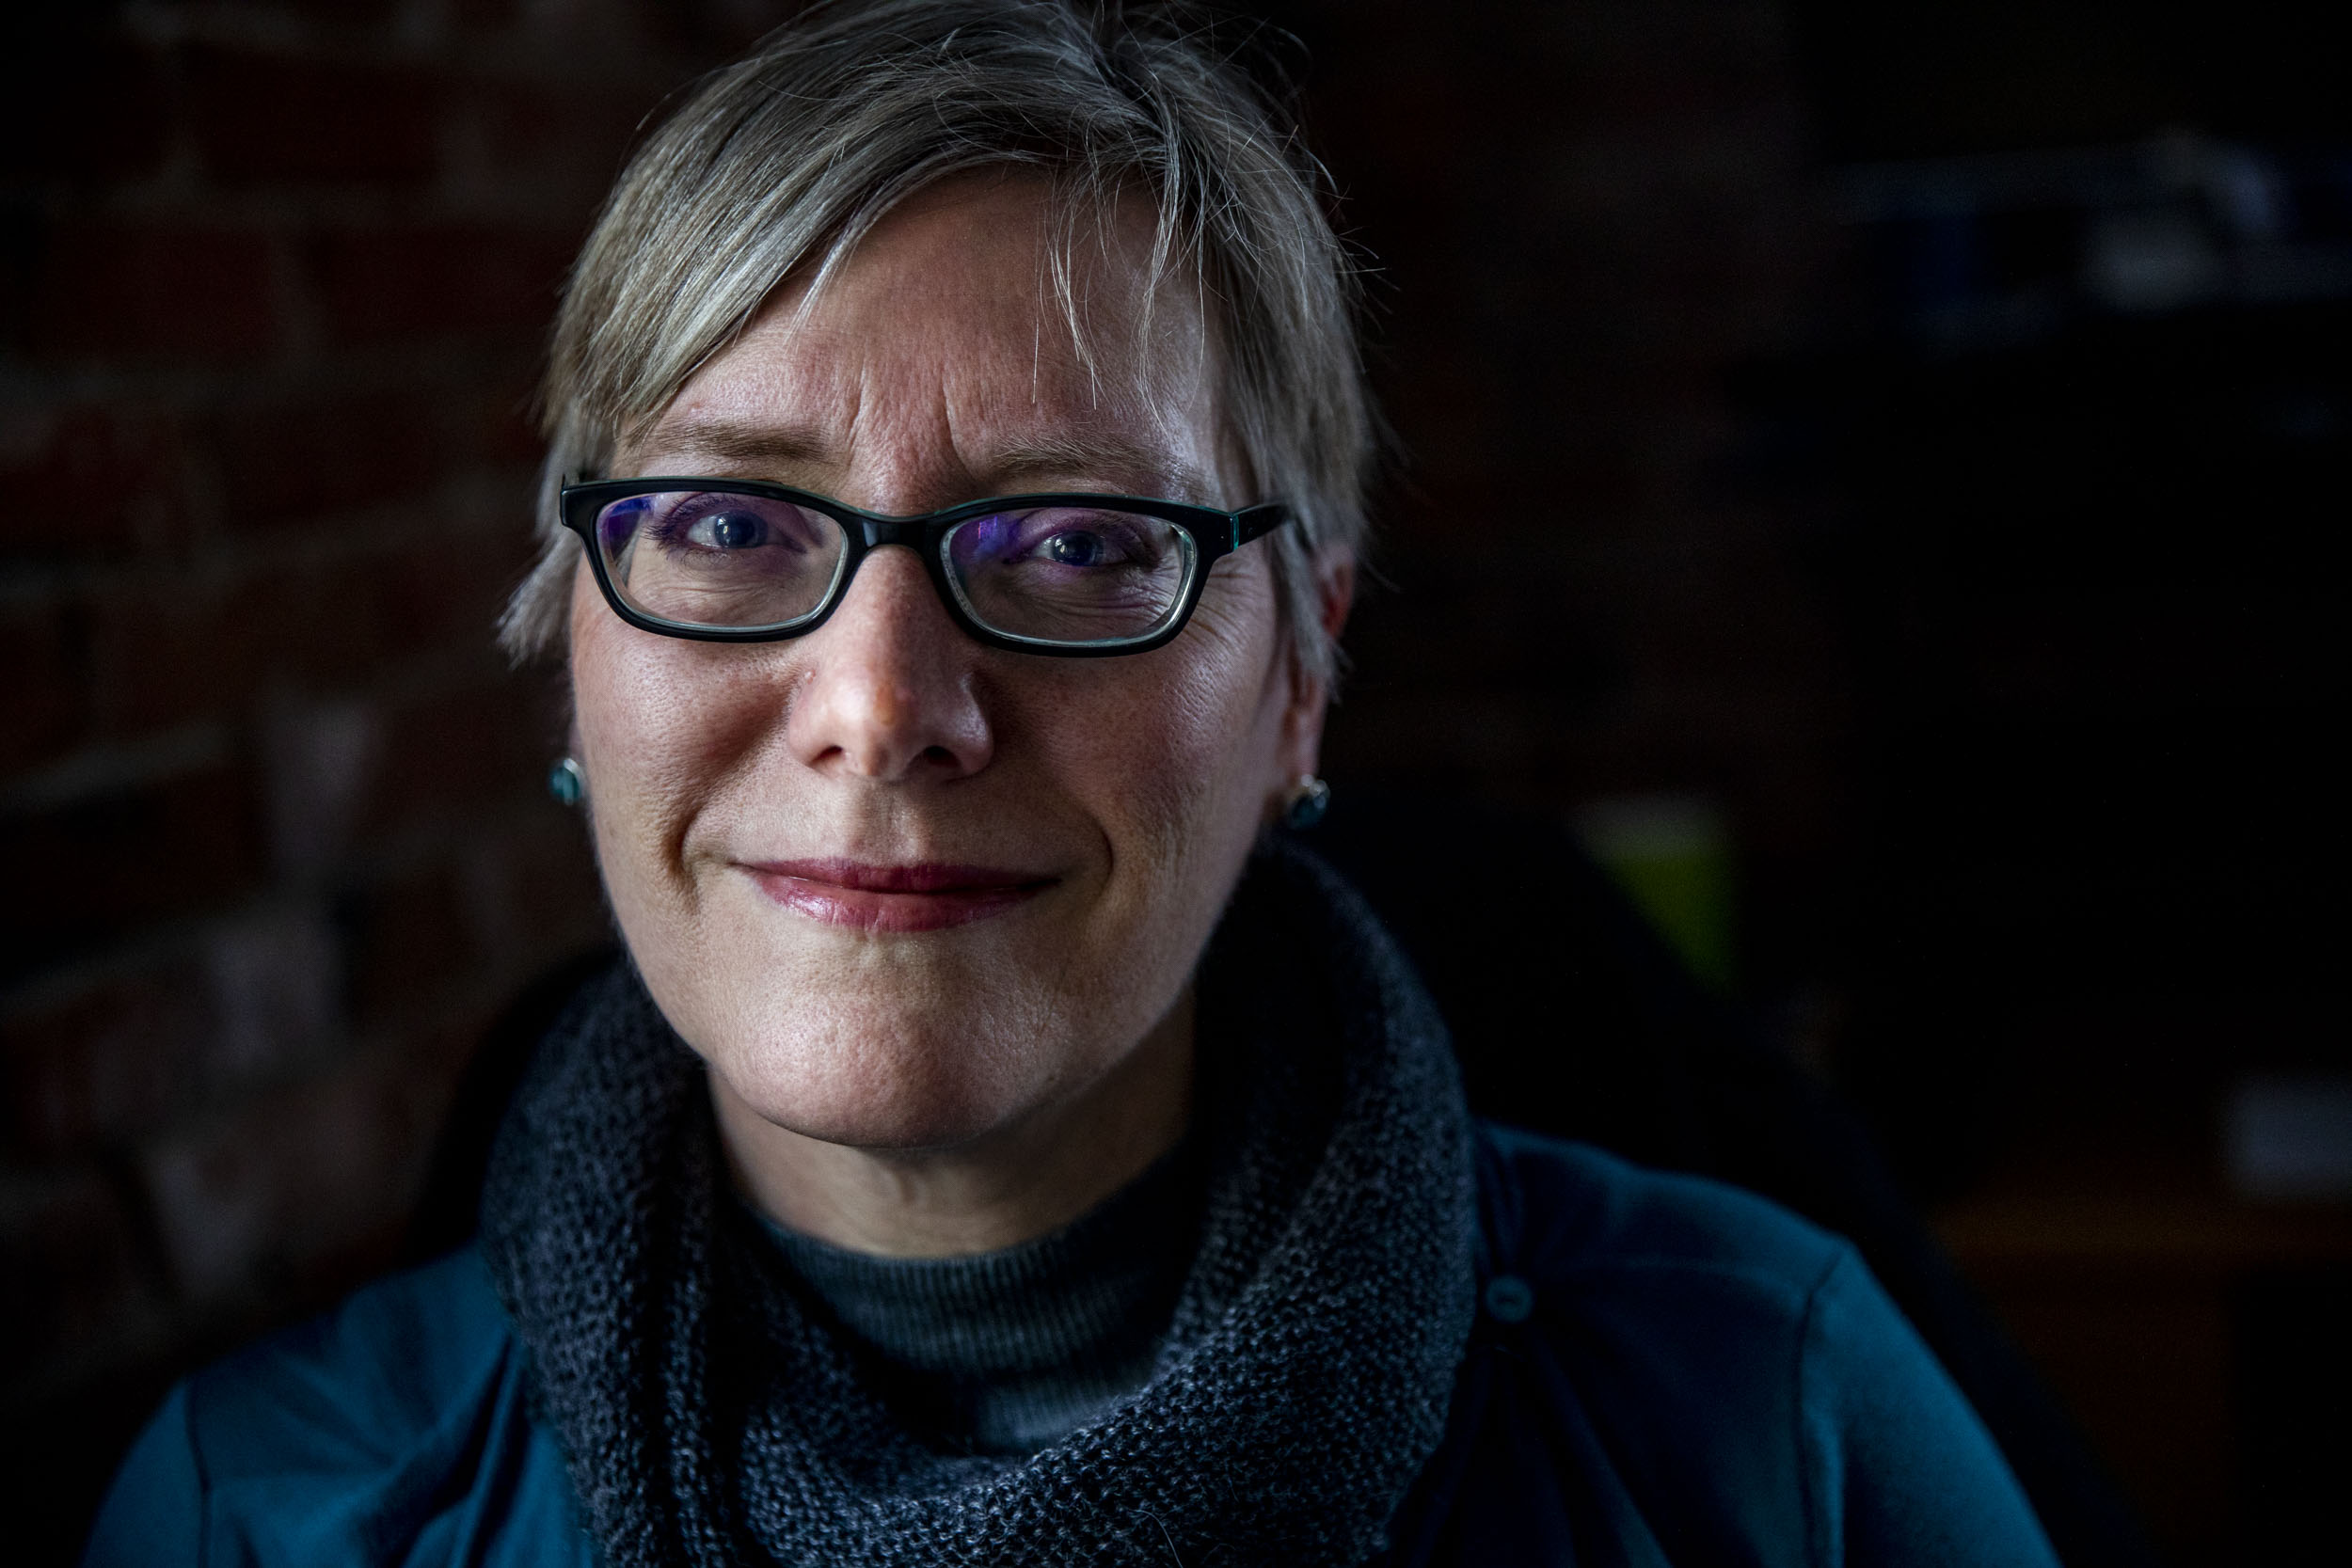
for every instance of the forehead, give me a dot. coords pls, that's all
(974, 335)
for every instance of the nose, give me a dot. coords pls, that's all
(890, 689)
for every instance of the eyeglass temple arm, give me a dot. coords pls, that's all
(1252, 522)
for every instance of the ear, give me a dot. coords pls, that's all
(1300, 749)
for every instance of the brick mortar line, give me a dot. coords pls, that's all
(286, 34)
(180, 1321)
(390, 367)
(490, 977)
(108, 768)
(279, 207)
(235, 557)
(512, 821)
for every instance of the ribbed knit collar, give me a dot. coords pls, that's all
(1006, 1352)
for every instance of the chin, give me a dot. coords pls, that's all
(886, 1080)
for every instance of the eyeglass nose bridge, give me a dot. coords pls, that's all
(922, 535)
(916, 534)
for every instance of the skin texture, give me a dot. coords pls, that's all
(954, 1090)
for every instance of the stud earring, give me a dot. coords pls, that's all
(1309, 798)
(566, 782)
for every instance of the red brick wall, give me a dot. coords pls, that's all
(276, 278)
(275, 844)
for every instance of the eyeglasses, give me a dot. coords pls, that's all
(738, 561)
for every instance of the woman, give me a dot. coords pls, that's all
(1000, 1146)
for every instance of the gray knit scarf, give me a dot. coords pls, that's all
(709, 1417)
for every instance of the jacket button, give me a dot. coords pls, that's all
(1510, 1299)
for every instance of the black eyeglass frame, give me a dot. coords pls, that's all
(1214, 534)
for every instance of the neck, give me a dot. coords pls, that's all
(1010, 1186)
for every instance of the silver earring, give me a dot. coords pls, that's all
(566, 782)
(1309, 798)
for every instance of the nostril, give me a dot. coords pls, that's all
(939, 754)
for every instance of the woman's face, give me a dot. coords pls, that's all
(900, 890)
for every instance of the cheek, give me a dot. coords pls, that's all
(659, 721)
(1233, 648)
(1175, 754)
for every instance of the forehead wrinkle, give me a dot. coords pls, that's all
(1110, 404)
(750, 415)
(1071, 435)
(903, 437)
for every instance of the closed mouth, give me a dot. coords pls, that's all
(926, 897)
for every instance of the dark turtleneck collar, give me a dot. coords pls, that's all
(1004, 1353)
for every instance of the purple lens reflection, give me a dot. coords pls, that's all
(1074, 574)
(620, 519)
(986, 539)
(720, 559)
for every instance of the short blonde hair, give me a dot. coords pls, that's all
(782, 161)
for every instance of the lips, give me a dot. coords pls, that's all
(928, 897)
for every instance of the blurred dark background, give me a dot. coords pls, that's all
(1865, 469)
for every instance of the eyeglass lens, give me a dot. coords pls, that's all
(1065, 574)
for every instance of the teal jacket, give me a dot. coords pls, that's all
(1665, 1370)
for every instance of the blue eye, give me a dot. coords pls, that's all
(1075, 550)
(728, 531)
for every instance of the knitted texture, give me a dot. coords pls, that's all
(1008, 1352)
(710, 1417)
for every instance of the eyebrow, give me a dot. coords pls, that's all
(734, 441)
(1089, 459)
(1113, 458)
